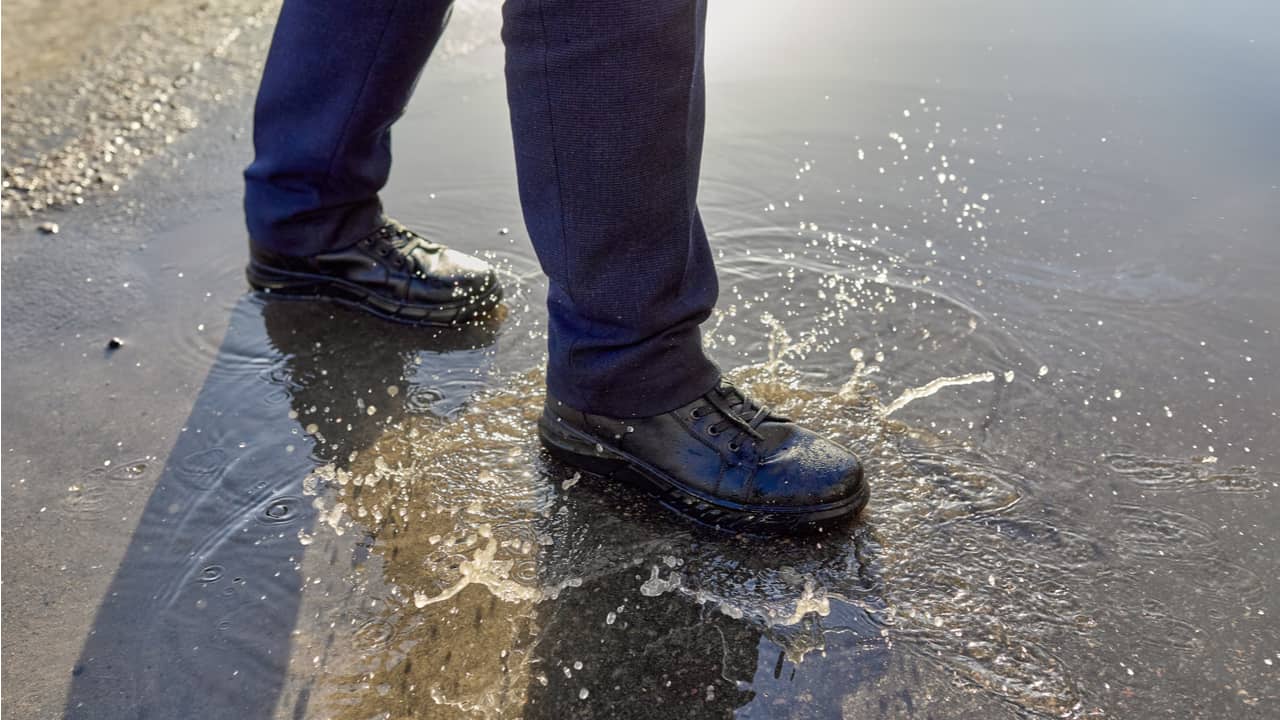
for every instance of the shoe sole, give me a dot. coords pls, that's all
(588, 454)
(322, 287)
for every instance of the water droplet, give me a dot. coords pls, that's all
(280, 510)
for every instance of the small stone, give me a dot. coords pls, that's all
(503, 231)
(48, 228)
(115, 343)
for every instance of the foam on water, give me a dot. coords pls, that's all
(934, 386)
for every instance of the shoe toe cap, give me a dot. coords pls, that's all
(451, 276)
(470, 275)
(464, 268)
(808, 470)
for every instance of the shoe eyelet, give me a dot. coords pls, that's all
(712, 431)
(735, 447)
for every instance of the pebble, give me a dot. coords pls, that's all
(48, 228)
(115, 343)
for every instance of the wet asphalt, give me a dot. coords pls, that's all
(1088, 533)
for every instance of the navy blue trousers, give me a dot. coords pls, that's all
(606, 101)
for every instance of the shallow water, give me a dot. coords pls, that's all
(1021, 259)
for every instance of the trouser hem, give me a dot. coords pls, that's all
(658, 391)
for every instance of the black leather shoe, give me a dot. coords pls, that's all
(392, 272)
(722, 459)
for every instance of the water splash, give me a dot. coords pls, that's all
(933, 386)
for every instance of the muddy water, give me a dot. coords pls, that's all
(1022, 259)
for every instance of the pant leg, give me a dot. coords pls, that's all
(606, 100)
(339, 73)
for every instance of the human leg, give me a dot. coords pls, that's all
(339, 74)
(607, 113)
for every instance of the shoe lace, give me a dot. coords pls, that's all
(736, 410)
(396, 243)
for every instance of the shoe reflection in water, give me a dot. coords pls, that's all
(607, 651)
(351, 375)
(198, 620)
(534, 641)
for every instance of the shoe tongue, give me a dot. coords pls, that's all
(737, 401)
(408, 242)
(775, 433)
(401, 237)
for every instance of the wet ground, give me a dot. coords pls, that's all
(1022, 258)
